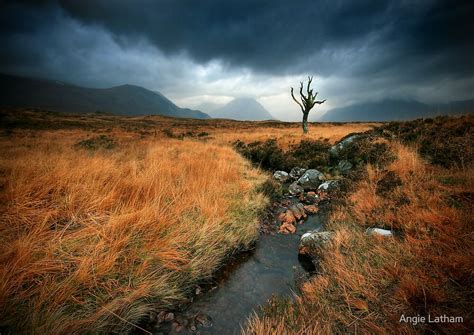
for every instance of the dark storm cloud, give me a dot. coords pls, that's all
(383, 46)
(284, 36)
(269, 36)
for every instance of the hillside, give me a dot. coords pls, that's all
(395, 110)
(242, 109)
(122, 100)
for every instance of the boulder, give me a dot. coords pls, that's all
(344, 167)
(296, 172)
(328, 186)
(281, 176)
(312, 242)
(310, 209)
(311, 179)
(379, 232)
(334, 150)
(298, 211)
(295, 189)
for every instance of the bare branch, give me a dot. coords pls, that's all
(299, 103)
(301, 92)
(320, 102)
(310, 79)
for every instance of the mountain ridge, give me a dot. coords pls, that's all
(394, 110)
(127, 99)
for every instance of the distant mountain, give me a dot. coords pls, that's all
(208, 107)
(57, 96)
(242, 109)
(393, 110)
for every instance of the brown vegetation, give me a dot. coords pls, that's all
(367, 282)
(90, 239)
(104, 218)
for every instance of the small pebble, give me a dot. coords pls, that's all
(161, 316)
(169, 317)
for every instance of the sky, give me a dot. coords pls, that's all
(195, 51)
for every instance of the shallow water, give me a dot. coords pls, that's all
(248, 281)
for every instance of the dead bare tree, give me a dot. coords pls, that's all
(307, 102)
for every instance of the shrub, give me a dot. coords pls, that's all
(270, 156)
(444, 141)
(367, 150)
(98, 142)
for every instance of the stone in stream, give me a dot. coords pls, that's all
(379, 232)
(203, 320)
(312, 242)
(311, 198)
(295, 189)
(311, 179)
(161, 317)
(281, 176)
(176, 327)
(287, 217)
(310, 209)
(296, 172)
(328, 186)
(169, 317)
(287, 228)
(298, 211)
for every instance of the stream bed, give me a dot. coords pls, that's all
(246, 282)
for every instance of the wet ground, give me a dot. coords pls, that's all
(249, 280)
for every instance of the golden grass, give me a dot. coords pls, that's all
(367, 283)
(92, 239)
(290, 134)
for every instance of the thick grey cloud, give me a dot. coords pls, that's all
(214, 50)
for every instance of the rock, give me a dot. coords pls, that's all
(161, 316)
(311, 179)
(312, 242)
(296, 172)
(177, 327)
(379, 231)
(169, 317)
(344, 167)
(328, 186)
(298, 211)
(311, 198)
(295, 189)
(281, 176)
(204, 320)
(334, 150)
(287, 217)
(310, 209)
(287, 228)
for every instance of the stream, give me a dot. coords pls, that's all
(273, 267)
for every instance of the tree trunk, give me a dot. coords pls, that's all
(305, 122)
